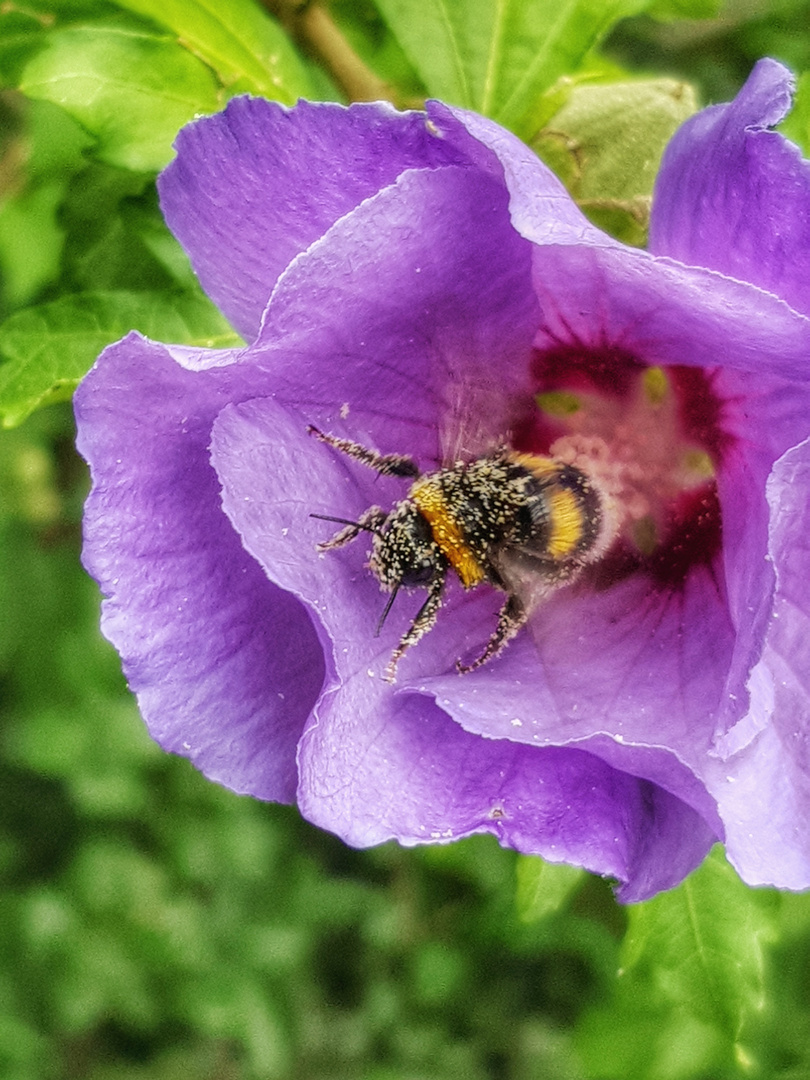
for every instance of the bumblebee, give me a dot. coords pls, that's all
(524, 523)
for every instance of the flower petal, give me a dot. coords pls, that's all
(379, 765)
(396, 299)
(634, 675)
(667, 314)
(394, 338)
(539, 204)
(733, 196)
(258, 183)
(261, 451)
(764, 789)
(226, 666)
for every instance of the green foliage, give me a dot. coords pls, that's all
(131, 89)
(368, 33)
(31, 236)
(93, 234)
(543, 887)
(702, 945)
(716, 54)
(248, 51)
(25, 27)
(796, 125)
(697, 994)
(684, 9)
(500, 58)
(51, 346)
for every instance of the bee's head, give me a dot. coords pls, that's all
(404, 551)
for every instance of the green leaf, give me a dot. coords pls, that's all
(20, 35)
(606, 142)
(499, 58)
(55, 142)
(796, 125)
(106, 250)
(46, 151)
(684, 9)
(31, 242)
(130, 89)
(701, 945)
(543, 887)
(630, 1038)
(51, 346)
(25, 26)
(248, 51)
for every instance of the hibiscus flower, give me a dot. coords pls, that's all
(423, 285)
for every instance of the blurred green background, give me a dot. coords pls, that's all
(154, 926)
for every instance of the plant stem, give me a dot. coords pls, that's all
(309, 23)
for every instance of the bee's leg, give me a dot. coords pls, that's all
(424, 621)
(511, 618)
(387, 464)
(369, 521)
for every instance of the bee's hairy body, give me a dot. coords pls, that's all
(535, 504)
(497, 519)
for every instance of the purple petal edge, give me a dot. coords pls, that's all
(209, 645)
(256, 184)
(734, 196)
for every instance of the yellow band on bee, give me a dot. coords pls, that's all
(536, 463)
(432, 506)
(567, 522)
(567, 519)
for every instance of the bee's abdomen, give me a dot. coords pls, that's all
(508, 501)
(562, 514)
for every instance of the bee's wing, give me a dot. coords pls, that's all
(479, 414)
(529, 577)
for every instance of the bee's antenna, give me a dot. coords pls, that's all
(386, 609)
(345, 521)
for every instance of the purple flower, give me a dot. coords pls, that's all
(417, 287)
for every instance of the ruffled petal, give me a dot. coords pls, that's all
(764, 787)
(274, 477)
(379, 765)
(225, 665)
(418, 338)
(256, 184)
(735, 197)
(633, 675)
(666, 313)
(261, 451)
(539, 204)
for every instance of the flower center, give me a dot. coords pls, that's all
(651, 438)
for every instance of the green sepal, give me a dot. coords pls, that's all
(606, 142)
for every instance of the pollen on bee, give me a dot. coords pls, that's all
(432, 505)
